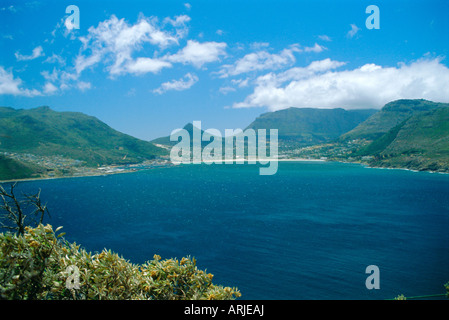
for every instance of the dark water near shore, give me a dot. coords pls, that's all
(307, 232)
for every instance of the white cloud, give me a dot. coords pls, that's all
(264, 60)
(145, 65)
(61, 29)
(54, 58)
(9, 85)
(316, 48)
(324, 65)
(179, 21)
(56, 80)
(83, 62)
(114, 41)
(64, 28)
(261, 60)
(259, 45)
(62, 79)
(188, 6)
(226, 90)
(325, 37)
(37, 52)
(83, 85)
(50, 76)
(299, 73)
(50, 88)
(199, 53)
(354, 29)
(114, 44)
(12, 86)
(182, 84)
(369, 86)
(233, 85)
(241, 83)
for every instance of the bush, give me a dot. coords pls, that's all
(42, 265)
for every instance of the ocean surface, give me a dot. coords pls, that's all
(307, 232)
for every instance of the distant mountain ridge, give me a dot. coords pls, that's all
(297, 121)
(391, 115)
(299, 127)
(165, 141)
(419, 142)
(42, 131)
(404, 134)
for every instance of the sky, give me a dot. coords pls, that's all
(148, 67)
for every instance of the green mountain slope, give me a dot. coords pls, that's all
(42, 131)
(420, 142)
(13, 169)
(297, 127)
(391, 115)
(308, 126)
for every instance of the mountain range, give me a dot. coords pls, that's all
(42, 131)
(166, 142)
(391, 115)
(298, 127)
(404, 133)
(410, 134)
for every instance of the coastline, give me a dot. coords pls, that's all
(170, 164)
(263, 160)
(130, 171)
(65, 177)
(302, 160)
(406, 169)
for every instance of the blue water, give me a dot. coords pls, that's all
(307, 232)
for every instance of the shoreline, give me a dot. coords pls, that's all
(209, 162)
(130, 171)
(264, 160)
(64, 177)
(406, 169)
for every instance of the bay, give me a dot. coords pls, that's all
(307, 232)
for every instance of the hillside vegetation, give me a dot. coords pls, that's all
(13, 169)
(420, 142)
(403, 134)
(299, 127)
(391, 115)
(42, 131)
(411, 134)
(41, 265)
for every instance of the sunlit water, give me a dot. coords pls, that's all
(307, 232)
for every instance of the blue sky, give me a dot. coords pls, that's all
(148, 67)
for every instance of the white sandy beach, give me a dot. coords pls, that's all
(263, 160)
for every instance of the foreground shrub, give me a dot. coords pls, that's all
(41, 265)
(446, 286)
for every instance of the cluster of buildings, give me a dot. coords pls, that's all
(59, 166)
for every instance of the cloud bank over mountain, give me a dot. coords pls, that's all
(320, 85)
